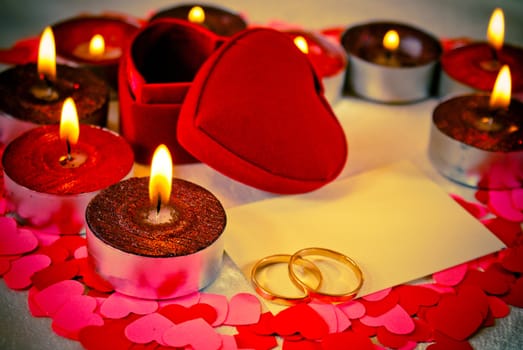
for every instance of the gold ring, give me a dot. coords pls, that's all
(313, 291)
(268, 294)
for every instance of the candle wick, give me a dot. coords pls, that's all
(158, 206)
(68, 145)
(494, 54)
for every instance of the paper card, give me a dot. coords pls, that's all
(397, 224)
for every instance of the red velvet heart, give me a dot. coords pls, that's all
(256, 113)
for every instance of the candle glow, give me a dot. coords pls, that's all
(46, 64)
(301, 43)
(97, 45)
(496, 29)
(391, 40)
(196, 15)
(160, 181)
(500, 97)
(69, 127)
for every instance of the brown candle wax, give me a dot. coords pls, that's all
(218, 20)
(18, 100)
(470, 120)
(122, 217)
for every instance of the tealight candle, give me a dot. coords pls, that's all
(32, 95)
(94, 42)
(51, 172)
(477, 140)
(474, 67)
(156, 237)
(391, 62)
(327, 57)
(219, 20)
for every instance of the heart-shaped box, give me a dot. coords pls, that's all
(250, 106)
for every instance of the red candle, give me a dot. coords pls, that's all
(49, 178)
(156, 237)
(32, 95)
(218, 20)
(475, 67)
(95, 42)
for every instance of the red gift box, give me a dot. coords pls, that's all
(251, 106)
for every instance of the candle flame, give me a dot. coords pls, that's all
(69, 128)
(196, 15)
(301, 43)
(97, 45)
(391, 40)
(496, 29)
(160, 181)
(47, 55)
(500, 97)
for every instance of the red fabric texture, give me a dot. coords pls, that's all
(251, 106)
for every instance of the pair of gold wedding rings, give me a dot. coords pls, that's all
(307, 276)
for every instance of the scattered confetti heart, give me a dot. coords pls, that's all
(14, 240)
(391, 340)
(19, 276)
(347, 340)
(178, 313)
(411, 297)
(476, 210)
(517, 198)
(512, 259)
(219, 303)
(498, 308)
(34, 308)
(52, 298)
(451, 276)
(506, 231)
(328, 313)
(228, 342)
(301, 344)
(381, 306)
(118, 305)
(500, 202)
(246, 339)
(342, 319)
(80, 252)
(56, 252)
(300, 319)
(5, 264)
(186, 300)
(353, 309)
(244, 308)
(396, 320)
(379, 295)
(78, 312)
(148, 328)
(443, 342)
(196, 333)
(91, 278)
(263, 327)
(108, 336)
(515, 296)
(55, 273)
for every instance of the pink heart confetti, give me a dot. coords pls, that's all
(54, 273)
(80, 252)
(34, 308)
(500, 202)
(396, 320)
(517, 198)
(353, 309)
(148, 328)
(376, 296)
(187, 300)
(451, 276)
(244, 308)
(19, 276)
(228, 342)
(328, 313)
(196, 333)
(5, 263)
(14, 240)
(118, 305)
(219, 303)
(342, 319)
(78, 312)
(52, 298)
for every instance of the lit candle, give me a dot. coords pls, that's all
(153, 243)
(477, 139)
(33, 94)
(52, 171)
(96, 50)
(217, 19)
(391, 62)
(475, 67)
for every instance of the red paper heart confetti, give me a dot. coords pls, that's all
(300, 319)
(411, 297)
(353, 309)
(494, 280)
(328, 313)
(451, 276)
(391, 340)
(396, 320)
(302, 344)
(515, 296)
(5, 263)
(347, 340)
(377, 296)
(445, 343)
(178, 313)
(512, 259)
(506, 231)
(342, 320)
(118, 305)
(498, 308)
(195, 333)
(19, 276)
(91, 278)
(246, 339)
(55, 251)
(220, 305)
(14, 240)
(55, 273)
(148, 328)
(500, 202)
(476, 210)
(263, 327)
(109, 336)
(380, 306)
